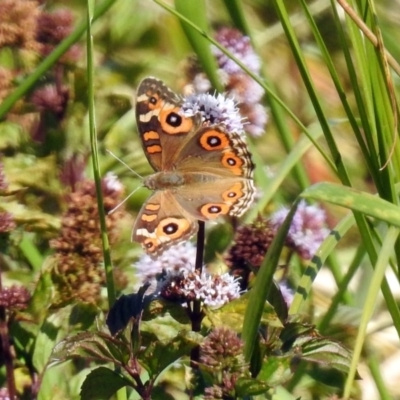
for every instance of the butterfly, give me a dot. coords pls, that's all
(202, 171)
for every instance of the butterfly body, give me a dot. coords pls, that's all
(202, 172)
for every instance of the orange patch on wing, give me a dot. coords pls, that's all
(152, 207)
(148, 218)
(150, 245)
(231, 161)
(150, 135)
(154, 149)
(234, 193)
(213, 211)
(183, 124)
(214, 140)
(173, 228)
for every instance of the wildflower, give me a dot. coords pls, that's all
(240, 46)
(251, 244)
(14, 297)
(7, 223)
(173, 277)
(257, 118)
(3, 181)
(238, 85)
(4, 394)
(73, 170)
(176, 259)
(222, 349)
(52, 29)
(215, 110)
(51, 98)
(78, 274)
(18, 21)
(213, 290)
(221, 354)
(307, 230)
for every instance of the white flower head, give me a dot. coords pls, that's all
(174, 260)
(215, 110)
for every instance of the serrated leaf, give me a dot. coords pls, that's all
(102, 383)
(94, 346)
(325, 352)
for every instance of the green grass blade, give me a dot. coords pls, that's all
(270, 187)
(259, 292)
(235, 10)
(355, 200)
(301, 64)
(369, 307)
(95, 160)
(196, 12)
(311, 272)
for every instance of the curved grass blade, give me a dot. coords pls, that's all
(195, 11)
(355, 200)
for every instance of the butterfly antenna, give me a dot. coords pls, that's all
(124, 201)
(127, 166)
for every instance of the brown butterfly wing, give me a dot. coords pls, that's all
(162, 128)
(161, 223)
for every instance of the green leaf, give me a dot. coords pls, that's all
(160, 354)
(102, 383)
(232, 314)
(93, 346)
(355, 200)
(276, 370)
(45, 341)
(324, 352)
(249, 387)
(165, 326)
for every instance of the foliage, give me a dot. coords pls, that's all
(309, 304)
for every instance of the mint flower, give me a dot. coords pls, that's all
(215, 110)
(307, 230)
